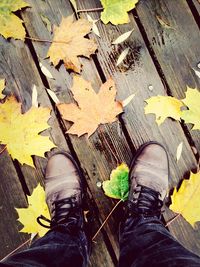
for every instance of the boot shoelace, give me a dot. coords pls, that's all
(62, 214)
(147, 202)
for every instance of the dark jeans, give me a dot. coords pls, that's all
(143, 242)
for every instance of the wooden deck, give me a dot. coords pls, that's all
(160, 56)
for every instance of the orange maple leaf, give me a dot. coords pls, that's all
(69, 43)
(93, 108)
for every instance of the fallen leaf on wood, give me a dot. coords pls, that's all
(197, 72)
(53, 96)
(46, 22)
(28, 216)
(126, 101)
(10, 24)
(163, 23)
(186, 200)
(122, 56)
(179, 151)
(34, 97)
(93, 108)
(163, 107)
(94, 26)
(69, 44)
(122, 37)
(118, 185)
(19, 132)
(2, 86)
(33, 235)
(192, 101)
(116, 11)
(45, 71)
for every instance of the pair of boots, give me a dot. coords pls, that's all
(148, 179)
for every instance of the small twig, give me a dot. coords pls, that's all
(112, 152)
(173, 219)
(116, 205)
(45, 41)
(90, 9)
(27, 241)
(3, 149)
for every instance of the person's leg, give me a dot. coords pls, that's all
(56, 248)
(144, 240)
(65, 245)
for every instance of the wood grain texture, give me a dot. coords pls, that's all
(11, 197)
(197, 6)
(176, 48)
(19, 70)
(135, 75)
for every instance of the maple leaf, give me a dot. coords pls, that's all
(2, 86)
(186, 200)
(115, 11)
(192, 101)
(19, 132)
(118, 185)
(28, 216)
(73, 43)
(93, 108)
(10, 24)
(163, 107)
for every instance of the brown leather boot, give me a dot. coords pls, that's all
(148, 179)
(64, 192)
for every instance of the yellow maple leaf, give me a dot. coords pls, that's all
(36, 206)
(115, 11)
(19, 132)
(2, 86)
(10, 24)
(192, 101)
(93, 108)
(163, 107)
(69, 43)
(186, 200)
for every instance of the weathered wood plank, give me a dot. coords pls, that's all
(21, 73)
(94, 154)
(176, 48)
(135, 74)
(11, 197)
(19, 69)
(197, 6)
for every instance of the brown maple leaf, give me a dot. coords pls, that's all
(93, 108)
(69, 43)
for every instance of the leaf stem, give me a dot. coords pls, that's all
(45, 41)
(27, 241)
(3, 149)
(90, 9)
(116, 205)
(173, 219)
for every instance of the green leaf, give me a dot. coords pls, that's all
(118, 185)
(115, 11)
(10, 24)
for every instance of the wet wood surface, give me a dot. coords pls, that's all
(158, 57)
